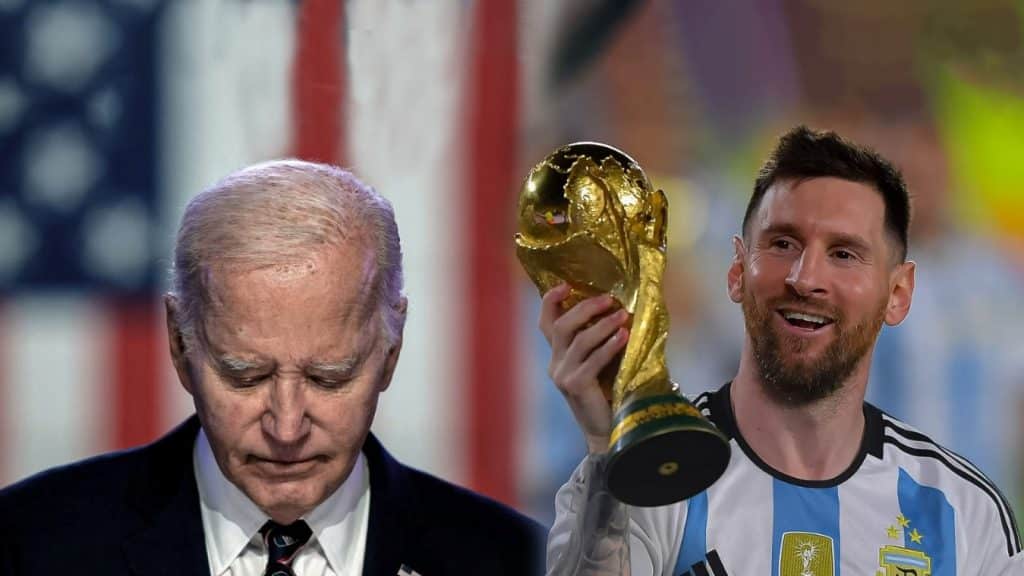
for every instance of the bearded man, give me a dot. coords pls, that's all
(819, 482)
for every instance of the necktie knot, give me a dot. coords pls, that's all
(283, 543)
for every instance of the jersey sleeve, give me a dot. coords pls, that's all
(596, 535)
(992, 531)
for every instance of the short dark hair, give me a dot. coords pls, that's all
(803, 153)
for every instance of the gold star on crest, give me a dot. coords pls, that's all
(904, 522)
(916, 536)
(893, 532)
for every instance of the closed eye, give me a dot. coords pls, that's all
(247, 381)
(329, 383)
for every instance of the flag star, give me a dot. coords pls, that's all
(19, 239)
(13, 103)
(893, 532)
(904, 522)
(116, 241)
(67, 42)
(916, 536)
(60, 166)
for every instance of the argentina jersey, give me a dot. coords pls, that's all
(904, 507)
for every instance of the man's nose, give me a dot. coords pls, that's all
(807, 275)
(286, 419)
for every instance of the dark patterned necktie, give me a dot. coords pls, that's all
(283, 543)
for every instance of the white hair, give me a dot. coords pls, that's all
(274, 213)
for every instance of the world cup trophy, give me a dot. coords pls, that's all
(589, 217)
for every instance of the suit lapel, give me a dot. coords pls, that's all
(389, 519)
(172, 540)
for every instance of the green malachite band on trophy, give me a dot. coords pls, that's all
(664, 450)
(651, 409)
(660, 425)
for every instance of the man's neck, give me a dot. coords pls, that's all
(814, 442)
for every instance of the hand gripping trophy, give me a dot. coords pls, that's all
(589, 217)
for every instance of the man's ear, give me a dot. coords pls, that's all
(176, 342)
(735, 275)
(901, 292)
(395, 348)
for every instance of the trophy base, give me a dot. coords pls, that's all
(663, 451)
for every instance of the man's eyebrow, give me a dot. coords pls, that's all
(341, 366)
(852, 240)
(781, 228)
(236, 364)
(843, 238)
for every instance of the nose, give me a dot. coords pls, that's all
(285, 419)
(807, 275)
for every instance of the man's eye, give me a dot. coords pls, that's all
(782, 244)
(330, 383)
(247, 381)
(844, 254)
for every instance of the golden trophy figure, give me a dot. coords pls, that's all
(589, 217)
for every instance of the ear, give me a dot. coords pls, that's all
(395, 350)
(179, 353)
(901, 291)
(735, 276)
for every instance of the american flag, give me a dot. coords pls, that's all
(80, 230)
(113, 113)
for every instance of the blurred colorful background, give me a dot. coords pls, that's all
(113, 113)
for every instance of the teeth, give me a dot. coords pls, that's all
(805, 317)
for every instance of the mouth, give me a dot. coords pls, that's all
(805, 322)
(285, 468)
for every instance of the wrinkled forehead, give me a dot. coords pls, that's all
(330, 282)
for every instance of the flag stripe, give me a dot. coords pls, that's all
(317, 101)
(489, 197)
(137, 377)
(56, 408)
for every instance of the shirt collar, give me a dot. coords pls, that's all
(231, 520)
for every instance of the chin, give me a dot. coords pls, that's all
(284, 503)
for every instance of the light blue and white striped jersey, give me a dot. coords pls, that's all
(905, 506)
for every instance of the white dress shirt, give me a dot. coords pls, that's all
(231, 523)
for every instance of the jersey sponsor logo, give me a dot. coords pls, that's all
(806, 554)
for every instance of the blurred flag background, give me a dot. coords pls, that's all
(113, 113)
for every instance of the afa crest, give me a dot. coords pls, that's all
(901, 561)
(806, 554)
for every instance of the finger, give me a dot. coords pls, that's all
(602, 355)
(589, 339)
(564, 329)
(551, 308)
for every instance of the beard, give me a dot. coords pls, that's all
(796, 382)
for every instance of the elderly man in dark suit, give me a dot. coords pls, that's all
(285, 324)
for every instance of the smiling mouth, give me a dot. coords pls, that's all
(805, 321)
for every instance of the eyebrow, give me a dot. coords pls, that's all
(340, 367)
(230, 363)
(235, 364)
(843, 238)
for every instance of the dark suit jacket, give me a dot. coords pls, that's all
(137, 512)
